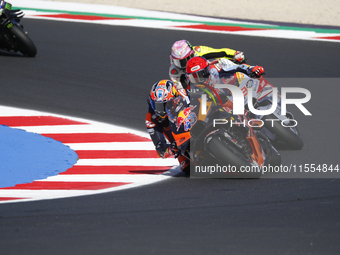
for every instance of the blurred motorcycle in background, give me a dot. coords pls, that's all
(12, 36)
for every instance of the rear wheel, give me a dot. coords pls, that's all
(229, 156)
(22, 42)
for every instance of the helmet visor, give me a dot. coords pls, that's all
(159, 108)
(199, 77)
(182, 63)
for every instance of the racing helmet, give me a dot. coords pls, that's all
(181, 52)
(160, 94)
(198, 70)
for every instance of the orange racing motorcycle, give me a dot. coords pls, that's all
(218, 143)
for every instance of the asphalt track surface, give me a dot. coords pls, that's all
(104, 73)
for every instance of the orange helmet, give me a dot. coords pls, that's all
(198, 70)
(160, 94)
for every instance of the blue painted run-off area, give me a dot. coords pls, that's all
(25, 157)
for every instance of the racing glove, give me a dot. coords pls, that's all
(164, 150)
(174, 149)
(256, 71)
(239, 57)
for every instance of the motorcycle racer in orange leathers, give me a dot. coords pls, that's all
(157, 122)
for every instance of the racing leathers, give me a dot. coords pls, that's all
(159, 130)
(210, 53)
(222, 68)
(223, 71)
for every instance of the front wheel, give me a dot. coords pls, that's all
(284, 137)
(229, 156)
(22, 42)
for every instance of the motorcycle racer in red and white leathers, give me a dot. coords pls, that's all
(221, 71)
(182, 51)
(200, 70)
(157, 122)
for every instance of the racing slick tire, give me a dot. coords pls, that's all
(284, 136)
(25, 44)
(229, 156)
